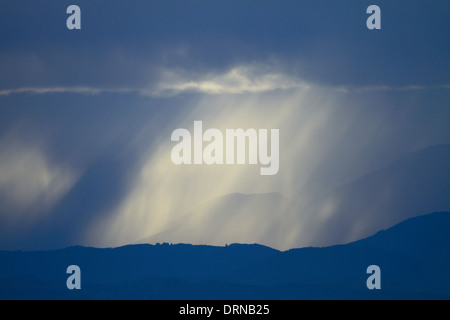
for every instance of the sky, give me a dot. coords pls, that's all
(86, 115)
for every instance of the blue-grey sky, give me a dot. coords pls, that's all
(86, 115)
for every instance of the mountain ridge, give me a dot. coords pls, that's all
(248, 271)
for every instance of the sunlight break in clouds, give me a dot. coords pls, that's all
(171, 203)
(237, 80)
(164, 193)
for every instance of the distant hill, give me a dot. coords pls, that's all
(413, 256)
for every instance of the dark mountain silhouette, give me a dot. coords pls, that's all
(413, 256)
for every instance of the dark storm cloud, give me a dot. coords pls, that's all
(126, 45)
